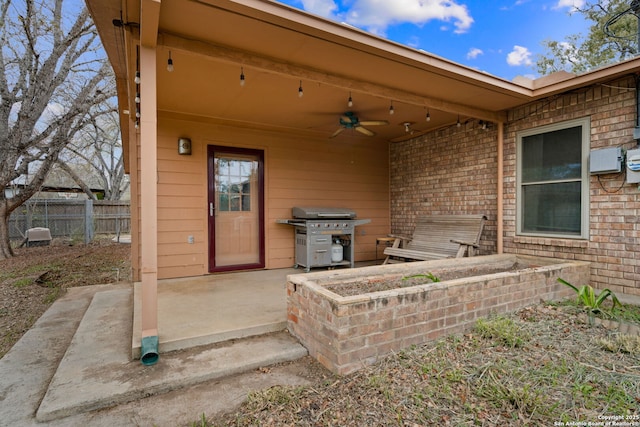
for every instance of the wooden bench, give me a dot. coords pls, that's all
(438, 237)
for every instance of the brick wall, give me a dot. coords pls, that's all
(345, 333)
(613, 247)
(454, 170)
(449, 171)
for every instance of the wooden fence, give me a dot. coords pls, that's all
(74, 219)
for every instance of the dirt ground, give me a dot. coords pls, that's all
(542, 365)
(32, 280)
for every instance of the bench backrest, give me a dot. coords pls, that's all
(434, 233)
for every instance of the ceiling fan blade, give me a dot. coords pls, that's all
(337, 132)
(374, 122)
(364, 131)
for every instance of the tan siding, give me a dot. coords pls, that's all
(134, 179)
(298, 171)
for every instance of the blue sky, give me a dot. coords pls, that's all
(500, 37)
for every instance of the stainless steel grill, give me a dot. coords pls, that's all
(323, 236)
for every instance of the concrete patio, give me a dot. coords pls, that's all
(208, 309)
(77, 359)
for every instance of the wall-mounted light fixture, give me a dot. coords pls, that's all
(184, 146)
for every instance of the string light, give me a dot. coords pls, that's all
(170, 63)
(391, 109)
(350, 101)
(137, 78)
(458, 124)
(300, 91)
(428, 118)
(242, 81)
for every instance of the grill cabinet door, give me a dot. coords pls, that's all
(320, 250)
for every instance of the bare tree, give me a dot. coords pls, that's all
(96, 155)
(53, 74)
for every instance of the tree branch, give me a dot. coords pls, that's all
(76, 178)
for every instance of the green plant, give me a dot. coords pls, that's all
(503, 329)
(627, 312)
(590, 299)
(21, 283)
(52, 295)
(202, 422)
(429, 276)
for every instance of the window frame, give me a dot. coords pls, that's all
(585, 123)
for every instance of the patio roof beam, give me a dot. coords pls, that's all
(280, 67)
(149, 22)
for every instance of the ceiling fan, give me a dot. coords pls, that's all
(350, 121)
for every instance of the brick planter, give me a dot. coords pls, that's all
(345, 333)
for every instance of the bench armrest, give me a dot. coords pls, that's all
(401, 241)
(462, 242)
(396, 236)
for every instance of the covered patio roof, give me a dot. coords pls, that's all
(279, 49)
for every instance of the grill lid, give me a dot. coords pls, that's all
(322, 213)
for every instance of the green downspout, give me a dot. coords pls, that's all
(149, 350)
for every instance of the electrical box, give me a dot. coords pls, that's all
(605, 160)
(633, 166)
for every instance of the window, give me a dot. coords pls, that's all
(234, 180)
(552, 179)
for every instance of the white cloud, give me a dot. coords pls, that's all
(325, 8)
(413, 42)
(572, 5)
(377, 15)
(519, 56)
(474, 52)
